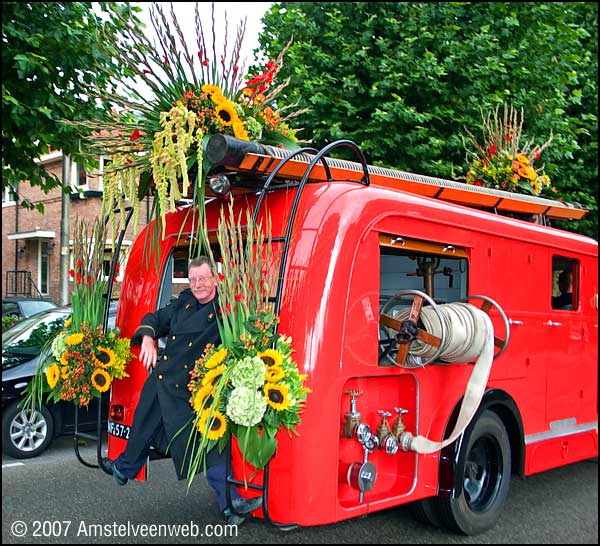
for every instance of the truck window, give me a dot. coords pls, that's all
(565, 282)
(440, 271)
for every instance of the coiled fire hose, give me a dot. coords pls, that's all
(469, 335)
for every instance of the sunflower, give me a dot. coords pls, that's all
(277, 396)
(274, 374)
(218, 425)
(239, 131)
(64, 372)
(216, 358)
(214, 92)
(52, 375)
(215, 372)
(68, 322)
(74, 339)
(208, 390)
(105, 357)
(100, 380)
(64, 358)
(226, 114)
(271, 358)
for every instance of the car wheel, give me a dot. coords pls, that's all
(484, 468)
(26, 433)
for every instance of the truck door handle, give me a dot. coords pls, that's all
(515, 322)
(551, 323)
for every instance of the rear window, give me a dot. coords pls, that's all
(33, 307)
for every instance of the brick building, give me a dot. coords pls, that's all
(31, 240)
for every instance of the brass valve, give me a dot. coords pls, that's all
(399, 426)
(384, 429)
(353, 416)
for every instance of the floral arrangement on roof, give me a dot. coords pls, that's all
(502, 161)
(157, 143)
(82, 360)
(249, 386)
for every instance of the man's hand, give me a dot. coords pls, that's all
(148, 354)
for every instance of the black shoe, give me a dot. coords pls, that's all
(112, 469)
(244, 507)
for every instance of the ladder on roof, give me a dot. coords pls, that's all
(248, 157)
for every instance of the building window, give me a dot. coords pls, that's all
(44, 268)
(79, 180)
(8, 196)
(105, 164)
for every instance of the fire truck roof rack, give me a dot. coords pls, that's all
(243, 157)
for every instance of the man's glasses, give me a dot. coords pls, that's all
(195, 280)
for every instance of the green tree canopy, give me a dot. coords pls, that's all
(405, 80)
(50, 63)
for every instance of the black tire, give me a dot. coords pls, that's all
(484, 468)
(26, 434)
(426, 511)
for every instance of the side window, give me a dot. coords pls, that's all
(565, 283)
(440, 271)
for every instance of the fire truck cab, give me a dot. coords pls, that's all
(365, 252)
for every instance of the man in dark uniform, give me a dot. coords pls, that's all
(164, 415)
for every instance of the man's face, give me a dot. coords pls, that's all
(203, 283)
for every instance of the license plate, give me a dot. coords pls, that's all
(118, 430)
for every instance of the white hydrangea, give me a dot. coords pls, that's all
(248, 372)
(59, 345)
(246, 406)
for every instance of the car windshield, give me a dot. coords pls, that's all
(31, 307)
(27, 337)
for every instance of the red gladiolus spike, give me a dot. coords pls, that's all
(71, 273)
(239, 297)
(492, 150)
(228, 307)
(89, 280)
(79, 264)
(220, 277)
(79, 278)
(135, 135)
(507, 138)
(537, 155)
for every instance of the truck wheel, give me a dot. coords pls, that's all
(26, 434)
(483, 469)
(426, 511)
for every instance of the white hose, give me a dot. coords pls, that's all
(469, 335)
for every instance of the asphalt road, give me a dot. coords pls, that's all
(53, 499)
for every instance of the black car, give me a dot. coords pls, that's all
(24, 307)
(26, 434)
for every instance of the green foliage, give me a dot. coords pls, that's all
(406, 80)
(8, 322)
(50, 63)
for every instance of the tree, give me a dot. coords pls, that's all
(406, 80)
(51, 63)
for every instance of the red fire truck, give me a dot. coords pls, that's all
(371, 259)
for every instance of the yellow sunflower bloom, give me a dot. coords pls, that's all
(64, 358)
(52, 375)
(226, 114)
(64, 372)
(216, 359)
(522, 158)
(100, 380)
(239, 131)
(68, 322)
(215, 372)
(271, 358)
(217, 428)
(74, 339)
(104, 357)
(274, 374)
(277, 396)
(214, 92)
(202, 394)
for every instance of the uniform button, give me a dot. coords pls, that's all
(190, 344)
(185, 366)
(165, 357)
(176, 385)
(160, 376)
(173, 338)
(188, 306)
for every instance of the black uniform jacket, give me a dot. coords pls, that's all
(189, 327)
